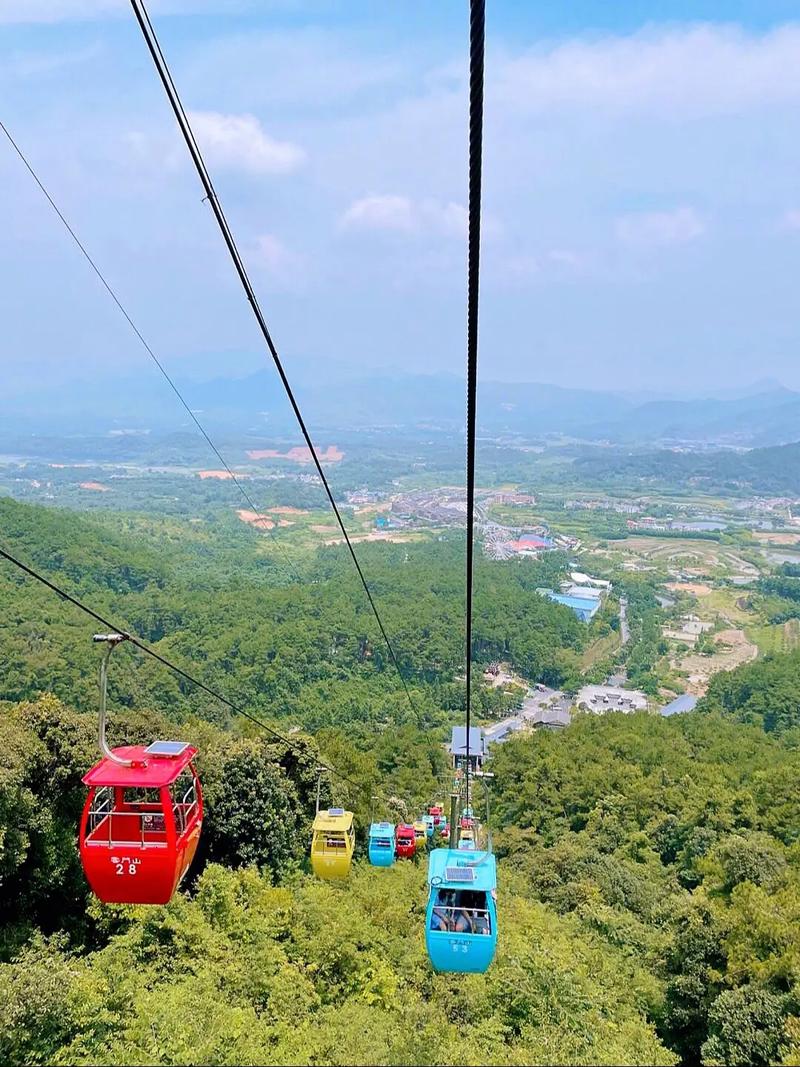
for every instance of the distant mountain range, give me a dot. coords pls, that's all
(744, 418)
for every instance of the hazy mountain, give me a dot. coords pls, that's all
(341, 399)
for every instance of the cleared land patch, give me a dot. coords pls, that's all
(299, 454)
(252, 518)
(733, 647)
(698, 589)
(777, 538)
(222, 476)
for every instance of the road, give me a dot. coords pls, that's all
(624, 629)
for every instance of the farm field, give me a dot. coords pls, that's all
(776, 638)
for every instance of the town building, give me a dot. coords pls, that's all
(579, 578)
(685, 702)
(527, 544)
(584, 607)
(514, 499)
(603, 698)
(584, 592)
(551, 718)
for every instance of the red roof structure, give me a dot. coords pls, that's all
(148, 771)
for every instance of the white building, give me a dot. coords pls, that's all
(579, 578)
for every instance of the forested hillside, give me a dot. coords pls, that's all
(766, 693)
(290, 639)
(771, 470)
(649, 891)
(649, 904)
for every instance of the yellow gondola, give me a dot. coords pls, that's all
(332, 844)
(420, 834)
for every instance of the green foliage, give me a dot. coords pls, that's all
(767, 470)
(765, 692)
(309, 652)
(649, 898)
(36, 1011)
(257, 815)
(747, 1026)
(673, 841)
(316, 973)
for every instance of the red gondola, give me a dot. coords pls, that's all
(142, 818)
(405, 846)
(437, 812)
(141, 823)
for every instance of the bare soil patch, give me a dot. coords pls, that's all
(733, 649)
(299, 454)
(695, 588)
(222, 476)
(252, 518)
(375, 535)
(777, 538)
(96, 487)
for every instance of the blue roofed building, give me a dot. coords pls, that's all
(584, 607)
(685, 702)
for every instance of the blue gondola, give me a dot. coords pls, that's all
(430, 824)
(381, 844)
(461, 917)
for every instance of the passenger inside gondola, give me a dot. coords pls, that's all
(442, 910)
(460, 912)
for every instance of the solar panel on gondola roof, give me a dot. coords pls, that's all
(459, 874)
(167, 748)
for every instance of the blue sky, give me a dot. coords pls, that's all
(642, 201)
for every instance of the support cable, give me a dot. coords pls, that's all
(476, 65)
(151, 40)
(165, 374)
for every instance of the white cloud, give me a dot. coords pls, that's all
(240, 142)
(660, 228)
(280, 266)
(452, 218)
(404, 215)
(682, 72)
(517, 268)
(271, 253)
(381, 213)
(43, 64)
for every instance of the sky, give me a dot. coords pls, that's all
(641, 227)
